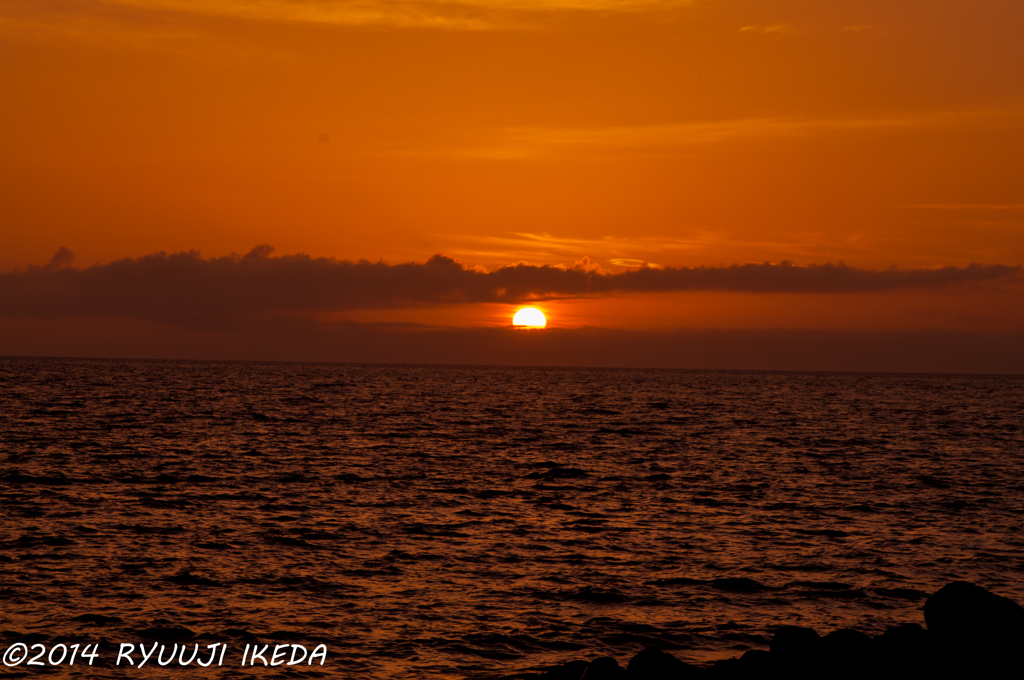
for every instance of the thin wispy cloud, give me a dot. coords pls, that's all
(633, 264)
(544, 247)
(185, 289)
(442, 14)
(777, 30)
(513, 143)
(968, 206)
(611, 249)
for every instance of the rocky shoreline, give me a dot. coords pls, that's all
(970, 633)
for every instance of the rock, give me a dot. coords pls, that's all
(796, 651)
(847, 653)
(963, 610)
(604, 668)
(904, 651)
(572, 670)
(757, 663)
(794, 642)
(972, 633)
(976, 631)
(907, 636)
(654, 664)
(726, 669)
(846, 641)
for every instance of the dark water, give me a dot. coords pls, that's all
(464, 522)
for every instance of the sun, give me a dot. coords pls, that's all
(529, 317)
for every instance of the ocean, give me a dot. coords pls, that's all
(470, 522)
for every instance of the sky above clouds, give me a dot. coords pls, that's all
(657, 161)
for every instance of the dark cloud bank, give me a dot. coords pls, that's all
(184, 287)
(258, 307)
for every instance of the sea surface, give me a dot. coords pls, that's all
(446, 522)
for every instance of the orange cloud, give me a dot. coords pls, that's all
(437, 14)
(778, 30)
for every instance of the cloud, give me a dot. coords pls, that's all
(633, 264)
(530, 142)
(442, 14)
(967, 206)
(778, 30)
(62, 258)
(187, 290)
(542, 246)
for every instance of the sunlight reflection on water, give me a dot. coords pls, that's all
(430, 521)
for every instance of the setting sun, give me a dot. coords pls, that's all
(530, 317)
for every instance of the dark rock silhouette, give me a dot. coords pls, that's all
(977, 631)
(796, 650)
(791, 642)
(905, 650)
(573, 670)
(847, 653)
(971, 633)
(604, 668)
(757, 663)
(655, 664)
(962, 610)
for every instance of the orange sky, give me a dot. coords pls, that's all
(674, 132)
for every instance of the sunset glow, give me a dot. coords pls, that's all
(236, 179)
(529, 317)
